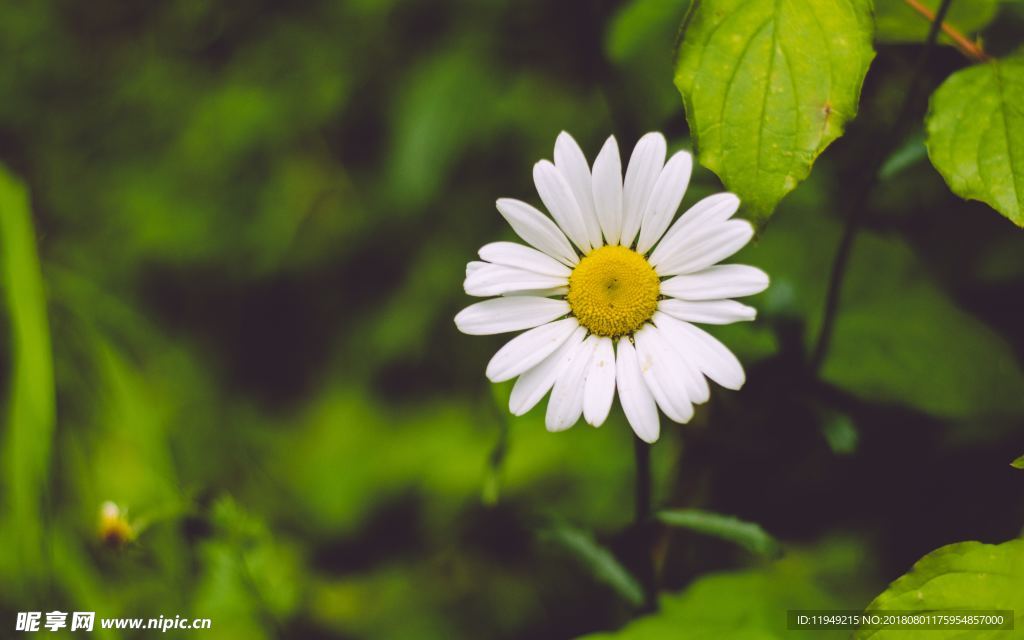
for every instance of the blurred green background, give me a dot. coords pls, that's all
(230, 309)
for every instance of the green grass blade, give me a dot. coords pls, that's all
(31, 410)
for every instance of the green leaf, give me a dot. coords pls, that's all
(896, 21)
(436, 114)
(898, 338)
(248, 577)
(768, 85)
(965, 575)
(746, 605)
(905, 156)
(599, 560)
(747, 534)
(976, 134)
(840, 432)
(31, 407)
(1018, 463)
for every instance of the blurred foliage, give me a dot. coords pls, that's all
(892, 341)
(228, 311)
(751, 604)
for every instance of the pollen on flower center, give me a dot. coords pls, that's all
(613, 291)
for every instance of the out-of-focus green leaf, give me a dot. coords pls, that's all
(840, 432)
(965, 575)
(908, 154)
(896, 21)
(639, 22)
(31, 405)
(335, 432)
(491, 490)
(976, 134)
(640, 42)
(747, 605)
(1018, 463)
(80, 577)
(251, 582)
(130, 460)
(747, 534)
(768, 86)
(597, 559)
(438, 113)
(898, 337)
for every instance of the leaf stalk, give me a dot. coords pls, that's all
(965, 45)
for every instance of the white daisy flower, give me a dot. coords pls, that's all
(608, 291)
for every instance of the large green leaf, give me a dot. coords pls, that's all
(966, 575)
(896, 21)
(31, 404)
(976, 135)
(768, 84)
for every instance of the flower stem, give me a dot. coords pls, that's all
(858, 203)
(643, 524)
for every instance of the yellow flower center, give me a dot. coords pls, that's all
(613, 291)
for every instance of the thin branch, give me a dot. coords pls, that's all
(643, 524)
(965, 45)
(858, 203)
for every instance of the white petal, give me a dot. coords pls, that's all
(566, 402)
(665, 374)
(644, 168)
(569, 159)
(686, 369)
(717, 282)
(537, 229)
(637, 402)
(708, 354)
(665, 198)
(608, 190)
(485, 279)
(526, 350)
(599, 389)
(707, 246)
(708, 212)
(708, 311)
(557, 196)
(540, 293)
(513, 254)
(532, 385)
(515, 313)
